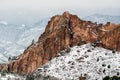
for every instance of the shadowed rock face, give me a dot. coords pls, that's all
(61, 32)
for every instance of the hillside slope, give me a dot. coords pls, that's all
(94, 63)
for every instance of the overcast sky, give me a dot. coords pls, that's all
(19, 9)
(42, 4)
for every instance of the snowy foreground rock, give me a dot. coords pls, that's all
(11, 77)
(86, 61)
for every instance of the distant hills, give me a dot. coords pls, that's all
(99, 18)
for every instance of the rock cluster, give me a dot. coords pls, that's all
(64, 31)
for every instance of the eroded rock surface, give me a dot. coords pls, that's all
(61, 32)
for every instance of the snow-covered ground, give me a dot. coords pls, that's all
(11, 77)
(92, 63)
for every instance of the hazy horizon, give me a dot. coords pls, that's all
(31, 11)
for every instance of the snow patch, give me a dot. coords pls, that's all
(3, 22)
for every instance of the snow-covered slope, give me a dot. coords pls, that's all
(14, 39)
(103, 18)
(8, 76)
(92, 63)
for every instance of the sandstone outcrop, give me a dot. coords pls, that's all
(111, 40)
(64, 31)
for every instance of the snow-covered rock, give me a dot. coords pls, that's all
(92, 63)
(8, 76)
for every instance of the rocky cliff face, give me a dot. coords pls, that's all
(64, 31)
(111, 40)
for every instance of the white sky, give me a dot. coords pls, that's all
(43, 4)
(13, 10)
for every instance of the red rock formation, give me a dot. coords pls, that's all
(111, 40)
(1, 66)
(61, 32)
(4, 67)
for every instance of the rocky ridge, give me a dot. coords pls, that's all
(64, 31)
